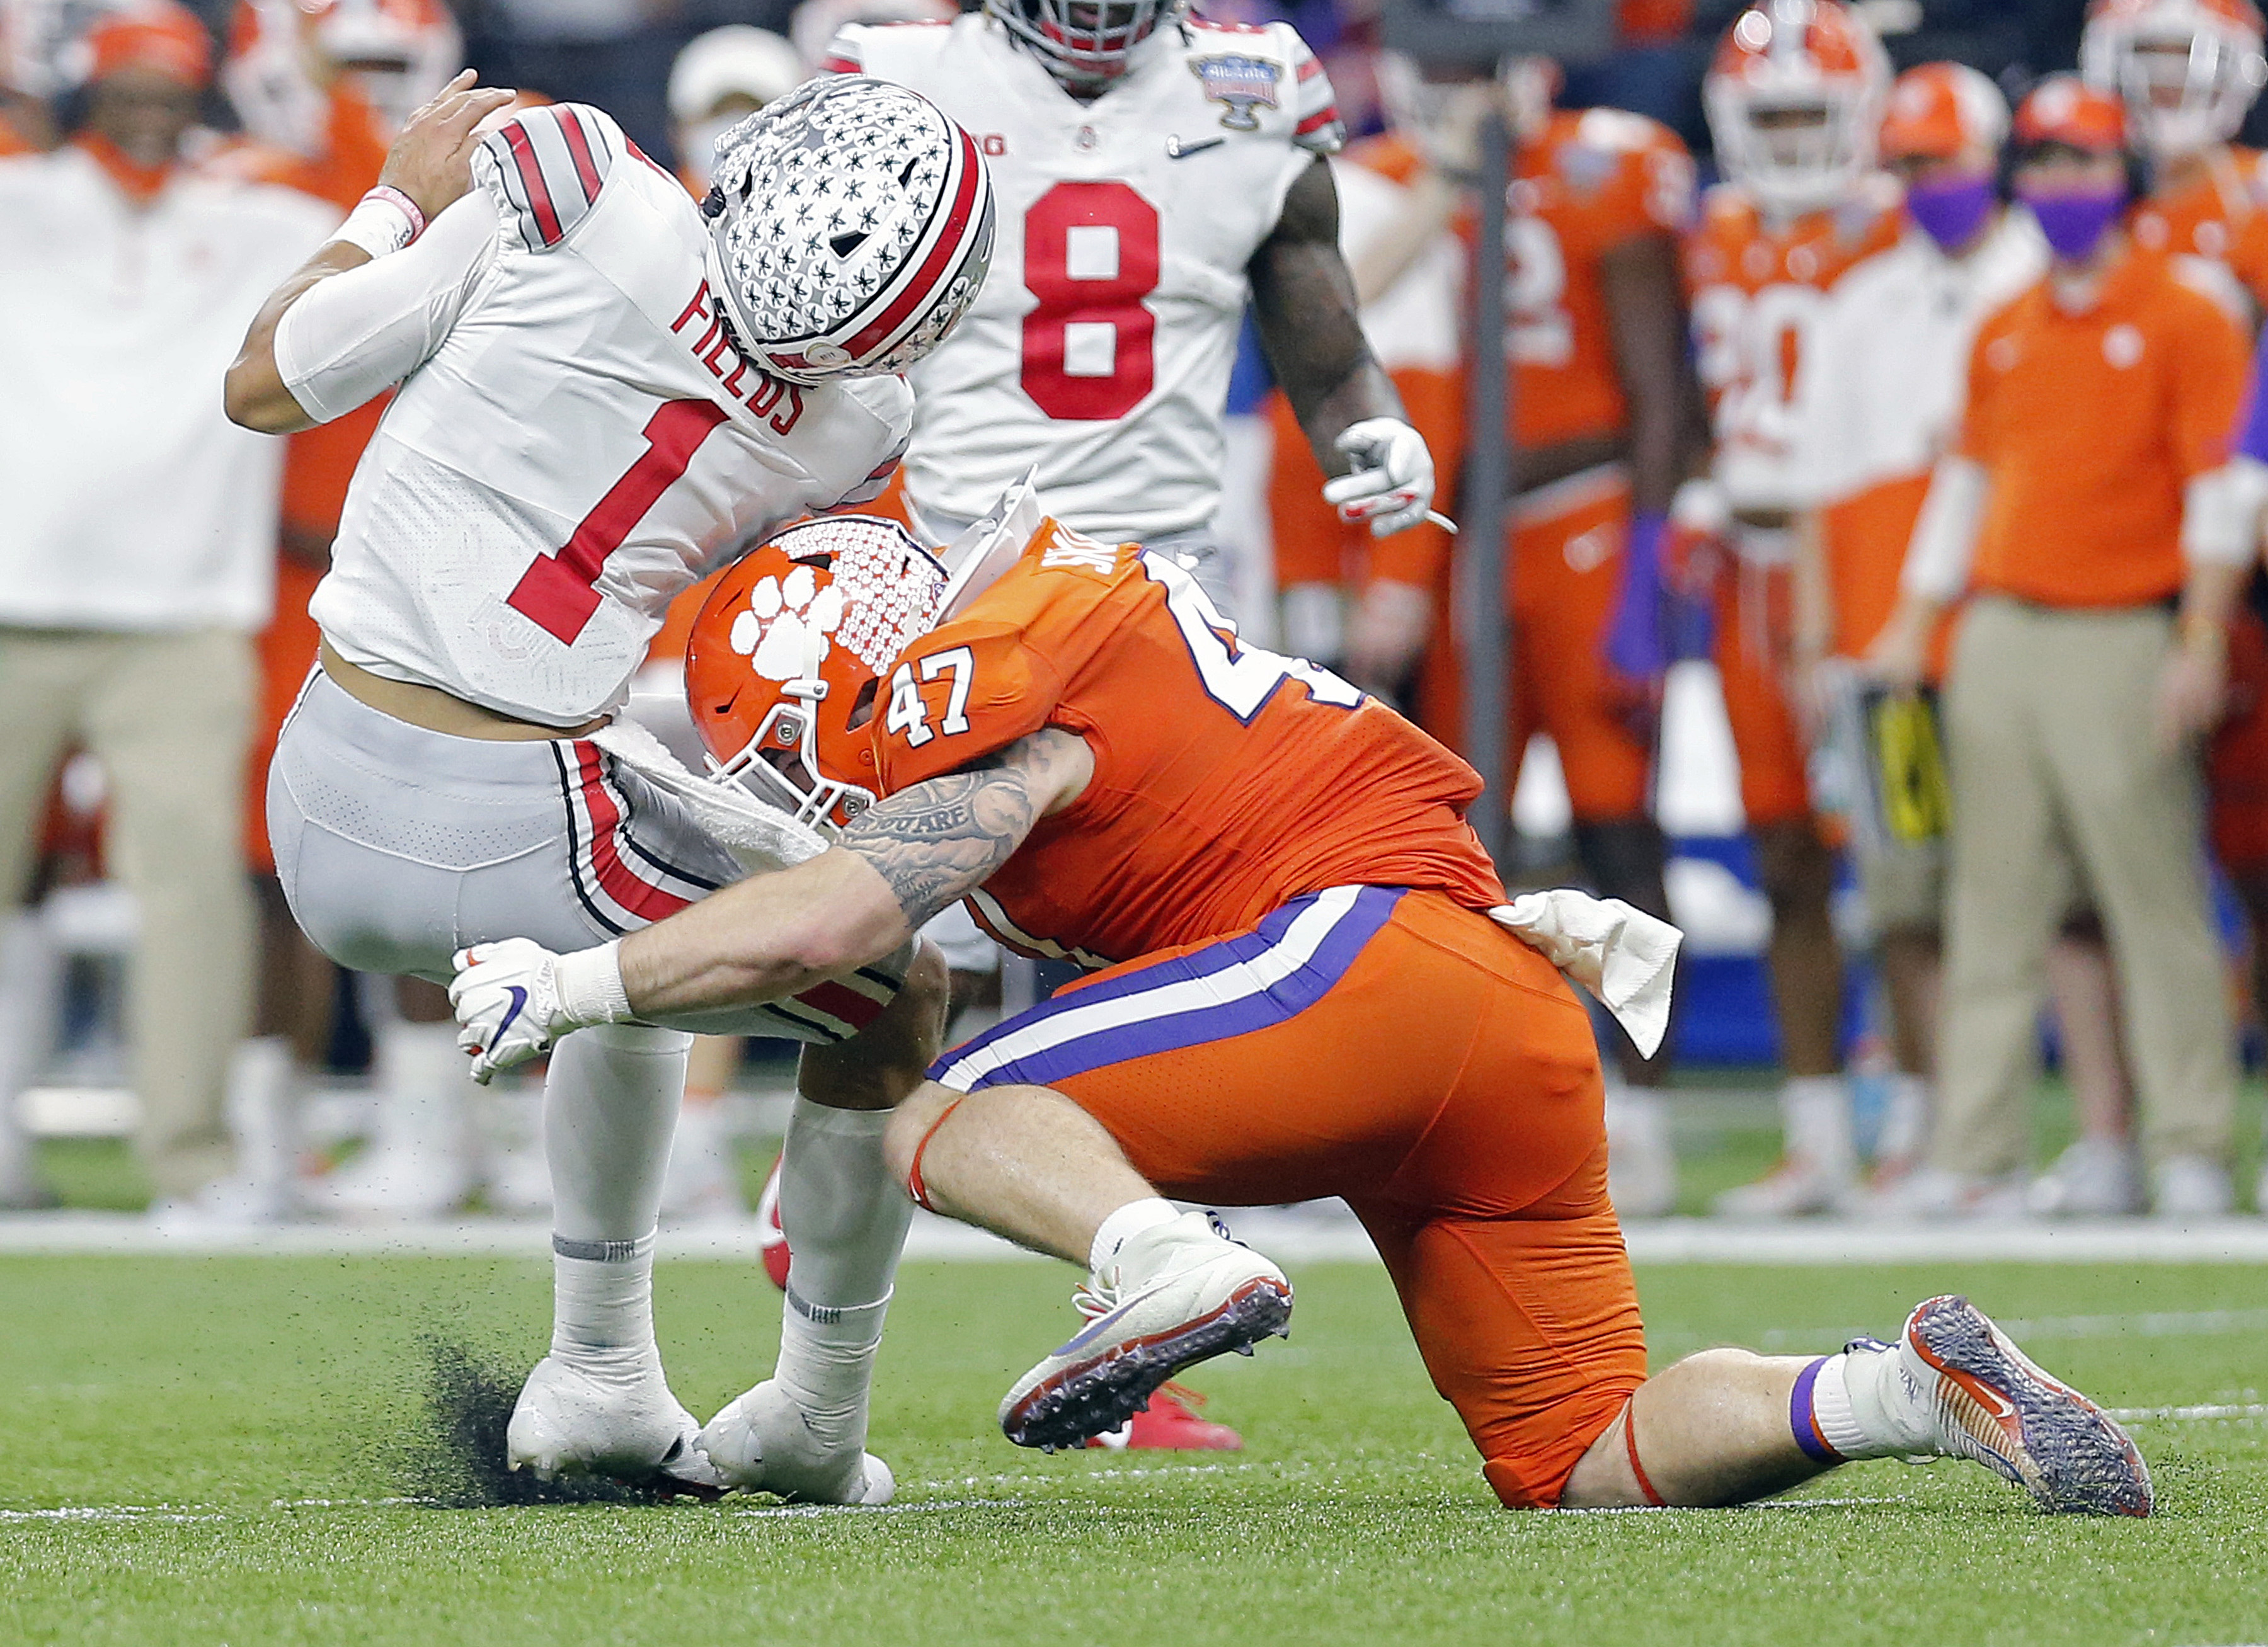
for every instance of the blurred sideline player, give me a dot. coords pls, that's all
(1880, 392)
(1271, 876)
(2188, 71)
(1794, 98)
(1156, 170)
(1606, 423)
(605, 390)
(1360, 605)
(322, 89)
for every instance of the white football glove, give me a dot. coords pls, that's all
(1392, 483)
(513, 1000)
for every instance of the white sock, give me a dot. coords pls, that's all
(845, 1218)
(602, 1304)
(1815, 1122)
(425, 1093)
(1121, 1226)
(263, 1111)
(610, 1105)
(1867, 1407)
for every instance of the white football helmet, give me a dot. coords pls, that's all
(1085, 43)
(1794, 97)
(849, 229)
(2187, 70)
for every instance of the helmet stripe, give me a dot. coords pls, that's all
(918, 293)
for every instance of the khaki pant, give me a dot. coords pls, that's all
(2058, 780)
(169, 717)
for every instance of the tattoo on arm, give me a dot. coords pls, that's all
(937, 840)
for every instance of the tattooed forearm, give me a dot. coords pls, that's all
(937, 840)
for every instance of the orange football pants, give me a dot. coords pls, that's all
(2236, 767)
(1754, 609)
(1564, 570)
(1473, 1148)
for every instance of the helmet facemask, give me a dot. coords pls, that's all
(2186, 89)
(1086, 44)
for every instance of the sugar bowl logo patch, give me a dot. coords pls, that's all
(1243, 84)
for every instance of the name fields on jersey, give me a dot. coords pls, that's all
(766, 396)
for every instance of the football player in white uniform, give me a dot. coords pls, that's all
(603, 397)
(1155, 169)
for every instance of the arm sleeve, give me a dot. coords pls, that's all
(2220, 513)
(1945, 535)
(358, 334)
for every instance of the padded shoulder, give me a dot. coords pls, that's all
(546, 167)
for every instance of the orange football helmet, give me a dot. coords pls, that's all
(1939, 109)
(1794, 97)
(2188, 69)
(786, 660)
(2064, 109)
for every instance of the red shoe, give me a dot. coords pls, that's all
(771, 1240)
(1171, 1421)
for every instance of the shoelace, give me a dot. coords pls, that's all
(1094, 1302)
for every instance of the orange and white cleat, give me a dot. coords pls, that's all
(771, 1240)
(1991, 1403)
(1170, 1423)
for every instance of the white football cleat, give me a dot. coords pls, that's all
(2095, 1178)
(1180, 1293)
(1991, 1403)
(764, 1442)
(573, 1421)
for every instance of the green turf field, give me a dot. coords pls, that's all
(213, 1450)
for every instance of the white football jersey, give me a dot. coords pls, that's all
(575, 440)
(1884, 373)
(1101, 346)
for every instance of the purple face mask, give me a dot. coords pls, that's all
(1950, 212)
(2076, 224)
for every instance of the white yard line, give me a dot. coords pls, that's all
(1295, 1236)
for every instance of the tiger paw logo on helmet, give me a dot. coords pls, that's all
(775, 632)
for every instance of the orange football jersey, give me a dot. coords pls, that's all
(1755, 286)
(2221, 215)
(1592, 182)
(1227, 780)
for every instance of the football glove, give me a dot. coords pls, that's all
(514, 1000)
(1391, 486)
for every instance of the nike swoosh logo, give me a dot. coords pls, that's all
(518, 1001)
(1176, 150)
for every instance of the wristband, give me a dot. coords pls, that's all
(383, 221)
(590, 985)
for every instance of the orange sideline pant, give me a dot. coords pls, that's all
(1282, 1065)
(2236, 768)
(1754, 611)
(1564, 570)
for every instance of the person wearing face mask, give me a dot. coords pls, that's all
(1880, 396)
(2088, 510)
(139, 559)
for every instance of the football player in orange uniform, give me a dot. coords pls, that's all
(1794, 99)
(2188, 71)
(1270, 875)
